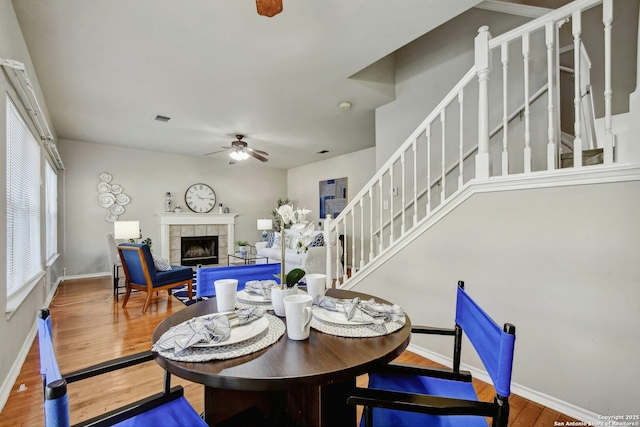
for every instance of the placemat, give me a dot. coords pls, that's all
(356, 331)
(266, 305)
(271, 335)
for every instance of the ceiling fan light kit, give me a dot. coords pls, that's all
(269, 8)
(238, 155)
(240, 151)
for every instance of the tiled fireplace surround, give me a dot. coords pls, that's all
(173, 226)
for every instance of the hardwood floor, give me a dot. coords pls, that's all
(89, 327)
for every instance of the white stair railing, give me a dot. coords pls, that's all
(435, 161)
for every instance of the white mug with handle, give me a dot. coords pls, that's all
(298, 314)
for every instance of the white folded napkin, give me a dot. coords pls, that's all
(208, 329)
(357, 310)
(260, 287)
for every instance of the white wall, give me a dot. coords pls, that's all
(559, 263)
(17, 329)
(303, 182)
(248, 189)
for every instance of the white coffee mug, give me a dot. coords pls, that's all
(298, 313)
(226, 290)
(316, 284)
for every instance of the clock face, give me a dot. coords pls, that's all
(200, 198)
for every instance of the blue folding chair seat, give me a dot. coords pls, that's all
(166, 409)
(408, 395)
(243, 273)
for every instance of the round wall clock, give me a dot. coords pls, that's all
(200, 198)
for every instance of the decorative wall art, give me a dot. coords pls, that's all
(333, 197)
(111, 197)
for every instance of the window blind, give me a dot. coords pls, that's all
(24, 259)
(51, 180)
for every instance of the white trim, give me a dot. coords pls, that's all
(15, 300)
(513, 9)
(543, 399)
(85, 276)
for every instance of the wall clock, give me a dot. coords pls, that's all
(200, 198)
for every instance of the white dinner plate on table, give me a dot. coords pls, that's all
(337, 317)
(248, 296)
(241, 333)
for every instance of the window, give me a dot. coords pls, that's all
(51, 180)
(24, 260)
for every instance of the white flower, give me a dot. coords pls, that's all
(286, 213)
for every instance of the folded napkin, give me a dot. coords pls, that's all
(357, 310)
(208, 329)
(260, 287)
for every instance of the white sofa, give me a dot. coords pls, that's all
(314, 260)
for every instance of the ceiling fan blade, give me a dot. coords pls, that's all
(264, 153)
(257, 156)
(219, 151)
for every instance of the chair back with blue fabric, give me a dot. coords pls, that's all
(141, 274)
(408, 395)
(243, 273)
(167, 408)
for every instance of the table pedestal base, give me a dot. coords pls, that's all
(311, 406)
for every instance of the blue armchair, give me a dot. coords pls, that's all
(408, 395)
(140, 273)
(167, 408)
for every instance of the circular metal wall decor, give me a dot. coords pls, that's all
(111, 197)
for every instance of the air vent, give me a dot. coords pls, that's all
(164, 119)
(322, 152)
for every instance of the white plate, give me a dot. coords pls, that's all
(242, 333)
(248, 296)
(337, 317)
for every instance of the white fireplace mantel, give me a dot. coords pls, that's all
(170, 218)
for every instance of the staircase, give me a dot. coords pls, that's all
(473, 139)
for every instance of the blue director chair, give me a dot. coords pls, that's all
(168, 408)
(408, 395)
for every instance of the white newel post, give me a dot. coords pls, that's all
(327, 236)
(483, 68)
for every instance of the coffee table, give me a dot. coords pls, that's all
(247, 259)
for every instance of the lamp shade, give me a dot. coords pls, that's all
(126, 230)
(265, 224)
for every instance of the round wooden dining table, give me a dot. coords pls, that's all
(290, 383)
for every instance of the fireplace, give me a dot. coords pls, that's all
(199, 250)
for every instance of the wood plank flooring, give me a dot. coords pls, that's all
(89, 327)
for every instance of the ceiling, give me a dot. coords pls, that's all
(217, 69)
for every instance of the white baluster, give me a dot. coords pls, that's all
(371, 223)
(345, 246)
(550, 32)
(577, 142)
(608, 143)
(504, 57)
(428, 138)
(402, 198)
(380, 234)
(353, 242)
(327, 234)
(391, 205)
(415, 182)
(483, 68)
(361, 233)
(443, 178)
(527, 132)
(461, 170)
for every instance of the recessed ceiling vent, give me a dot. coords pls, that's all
(322, 152)
(163, 119)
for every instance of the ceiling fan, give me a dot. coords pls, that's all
(240, 151)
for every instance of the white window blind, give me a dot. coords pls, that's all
(51, 180)
(24, 260)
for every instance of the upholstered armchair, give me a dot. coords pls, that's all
(141, 274)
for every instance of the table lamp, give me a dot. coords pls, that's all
(123, 230)
(264, 225)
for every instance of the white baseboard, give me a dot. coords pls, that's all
(14, 372)
(85, 276)
(550, 402)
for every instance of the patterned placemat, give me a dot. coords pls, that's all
(265, 339)
(356, 331)
(242, 303)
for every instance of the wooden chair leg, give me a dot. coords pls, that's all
(190, 288)
(147, 301)
(126, 296)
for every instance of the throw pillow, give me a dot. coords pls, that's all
(270, 239)
(160, 263)
(276, 240)
(317, 241)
